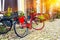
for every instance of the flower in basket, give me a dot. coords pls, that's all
(9, 11)
(41, 18)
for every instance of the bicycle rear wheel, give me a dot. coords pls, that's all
(19, 31)
(37, 25)
(5, 26)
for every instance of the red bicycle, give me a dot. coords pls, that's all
(23, 24)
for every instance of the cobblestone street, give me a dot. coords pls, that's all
(51, 31)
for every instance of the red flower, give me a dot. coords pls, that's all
(21, 19)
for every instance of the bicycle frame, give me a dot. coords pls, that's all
(29, 25)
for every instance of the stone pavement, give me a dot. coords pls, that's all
(51, 31)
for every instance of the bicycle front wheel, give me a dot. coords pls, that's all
(19, 31)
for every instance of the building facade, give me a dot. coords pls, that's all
(40, 6)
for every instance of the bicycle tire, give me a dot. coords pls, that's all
(5, 26)
(17, 33)
(38, 26)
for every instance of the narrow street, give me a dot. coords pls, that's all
(51, 31)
